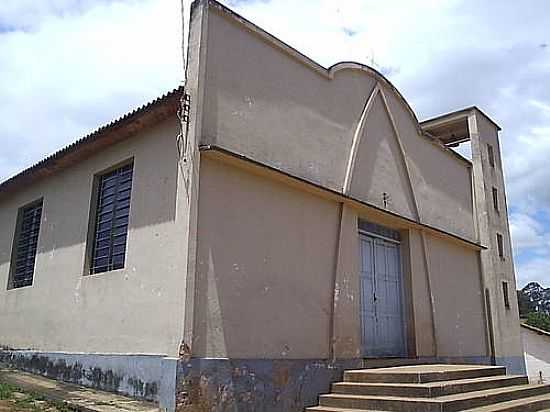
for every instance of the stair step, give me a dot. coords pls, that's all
(448, 403)
(327, 409)
(428, 390)
(422, 373)
(486, 397)
(533, 403)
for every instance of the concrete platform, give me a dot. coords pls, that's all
(77, 397)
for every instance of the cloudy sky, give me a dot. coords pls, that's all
(68, 66)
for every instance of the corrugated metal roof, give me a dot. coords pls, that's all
(111, 133)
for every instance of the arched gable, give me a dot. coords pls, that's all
(345, 128)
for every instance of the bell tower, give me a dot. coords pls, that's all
(472, 126)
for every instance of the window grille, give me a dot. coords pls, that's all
(26, 242)
(111, 223)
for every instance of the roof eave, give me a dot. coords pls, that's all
(118, 130)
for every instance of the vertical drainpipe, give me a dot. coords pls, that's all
(332, 320)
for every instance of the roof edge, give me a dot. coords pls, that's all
(124, 127)
(465, 111)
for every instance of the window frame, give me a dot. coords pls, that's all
(491, 154)
(93, 216)
(496, 205)
(15, 243)
(506, 294)
(500, 245)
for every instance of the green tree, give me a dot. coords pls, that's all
(539, 320)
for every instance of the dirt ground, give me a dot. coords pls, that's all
(15, 400)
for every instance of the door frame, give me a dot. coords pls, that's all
(405, 290)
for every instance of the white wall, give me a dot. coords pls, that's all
(536, 348)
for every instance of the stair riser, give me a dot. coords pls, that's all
(429, 405)
(380, 390)
(479, 386)
(460, 405)
(528, 407)
(396, 390)
(366, 377)
(381, 404)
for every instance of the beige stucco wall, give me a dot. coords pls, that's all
(138, 309)
(265, 264)
(271, 252)
(506, 330)
(458, 299)
(265, 103)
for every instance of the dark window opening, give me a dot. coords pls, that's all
(491, 155)
(25, 245)
(500, 246)
(495, 199)
(377, 229)
(505, 295)
(111, 220)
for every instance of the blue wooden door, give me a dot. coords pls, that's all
(382, 324)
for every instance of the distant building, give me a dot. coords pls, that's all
(302, 221)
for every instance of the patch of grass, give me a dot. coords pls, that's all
(27, 403)
(6, 391)
(60, 406)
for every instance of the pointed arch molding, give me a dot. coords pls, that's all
(357, 137)
(358, 133)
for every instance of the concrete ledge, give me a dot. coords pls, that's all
(148, 377)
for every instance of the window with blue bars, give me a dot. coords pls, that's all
(111, 220)
(25, 245)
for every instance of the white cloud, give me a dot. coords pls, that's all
(526, 232)
(534, 270)
(71, 74)
(67, 66)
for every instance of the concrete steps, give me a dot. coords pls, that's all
(434, 388)
(428, 390)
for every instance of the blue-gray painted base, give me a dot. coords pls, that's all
(274, 385)
(258, 385)
(149, 377)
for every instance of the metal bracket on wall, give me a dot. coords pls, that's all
(185, 107)
(183, 115)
